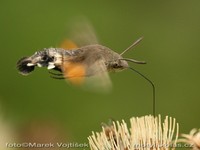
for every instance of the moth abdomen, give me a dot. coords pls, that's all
(22, 66)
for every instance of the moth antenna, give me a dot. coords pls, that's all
(153, 88)
(132, 45)
(133, 60)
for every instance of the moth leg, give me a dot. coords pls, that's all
(56, 74)
(57, 69)
(58, 77)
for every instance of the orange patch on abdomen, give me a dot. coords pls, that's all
(74, 72)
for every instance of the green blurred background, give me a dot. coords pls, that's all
(171, 47)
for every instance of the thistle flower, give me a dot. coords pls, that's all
(193, 138)
(146, 133)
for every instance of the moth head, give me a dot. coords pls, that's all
(120, 63)
(117, 65)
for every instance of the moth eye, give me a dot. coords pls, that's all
(115, 65)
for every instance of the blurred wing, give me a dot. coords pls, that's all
(68, 44)
(91, 75)
(100, 79)
(82, 32)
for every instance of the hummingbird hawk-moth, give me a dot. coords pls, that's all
(79, 63)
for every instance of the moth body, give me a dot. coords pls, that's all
(87, 56)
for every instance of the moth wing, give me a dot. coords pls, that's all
(100, 80)
(91, 74)
(82, 32)
(68, 44)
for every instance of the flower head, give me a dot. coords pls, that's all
(193, 138)
(145, 133)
